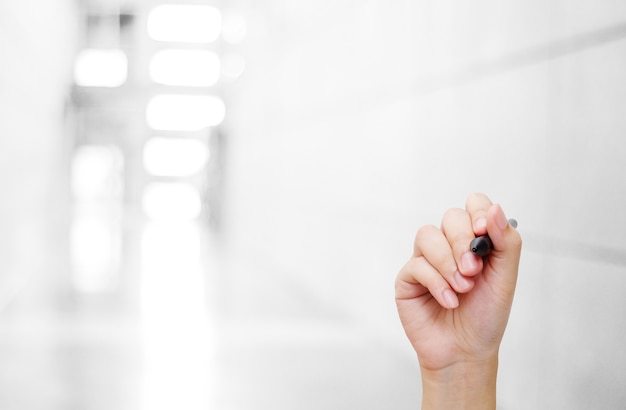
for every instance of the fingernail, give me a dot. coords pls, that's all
(501, 219)
(481, 224)
(450, 299)
(462, 283)
(469, 263)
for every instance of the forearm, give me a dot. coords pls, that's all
(461, 386)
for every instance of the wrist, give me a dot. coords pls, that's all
(463, 385)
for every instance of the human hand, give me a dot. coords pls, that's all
(453, 305)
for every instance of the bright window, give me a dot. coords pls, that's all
(185, 23)
(96, 232)
(95, 241)
(101, 68)
(96, 173)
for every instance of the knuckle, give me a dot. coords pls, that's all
(477, 200)
(425, 231)
(422, 235)
(477, 196)
(454, 213)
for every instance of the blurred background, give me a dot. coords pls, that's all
(204, 204)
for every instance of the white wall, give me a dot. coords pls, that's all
(358, 121)
(36, 46)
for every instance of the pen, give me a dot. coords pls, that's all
(481, 245)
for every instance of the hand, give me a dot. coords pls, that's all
(454, 306)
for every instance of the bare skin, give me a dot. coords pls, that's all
(454, 306)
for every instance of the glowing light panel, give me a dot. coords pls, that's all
(179, 344)
(185, 23)
(95, 241)
(101, 68)
(184, 112)
(174, 157)
(200, 68)
(172, 201)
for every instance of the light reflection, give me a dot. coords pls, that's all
(96, 230)
(194, 68)
(185, 23)
(101, 68)
(95, 241)
(176, 244)
(178, 342)
(173, 112)
(97, 173)
(173, 157)
(171, 258)
(172, 201)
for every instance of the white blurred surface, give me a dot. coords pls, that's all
(348, 125)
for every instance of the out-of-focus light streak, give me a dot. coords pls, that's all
(178, 112)
(96, 231)
(185, 23)
(178, 342)
(95, 242)
(97, 173)
(101, 68)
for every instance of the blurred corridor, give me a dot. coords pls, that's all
(205, 204)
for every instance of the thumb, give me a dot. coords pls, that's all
(507, 246)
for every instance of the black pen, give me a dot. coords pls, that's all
(481, 245)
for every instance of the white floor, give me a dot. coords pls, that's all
(226, 346)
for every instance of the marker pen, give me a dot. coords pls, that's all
(481, 245)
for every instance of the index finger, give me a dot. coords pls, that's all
(457, 227)
(477, 205)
